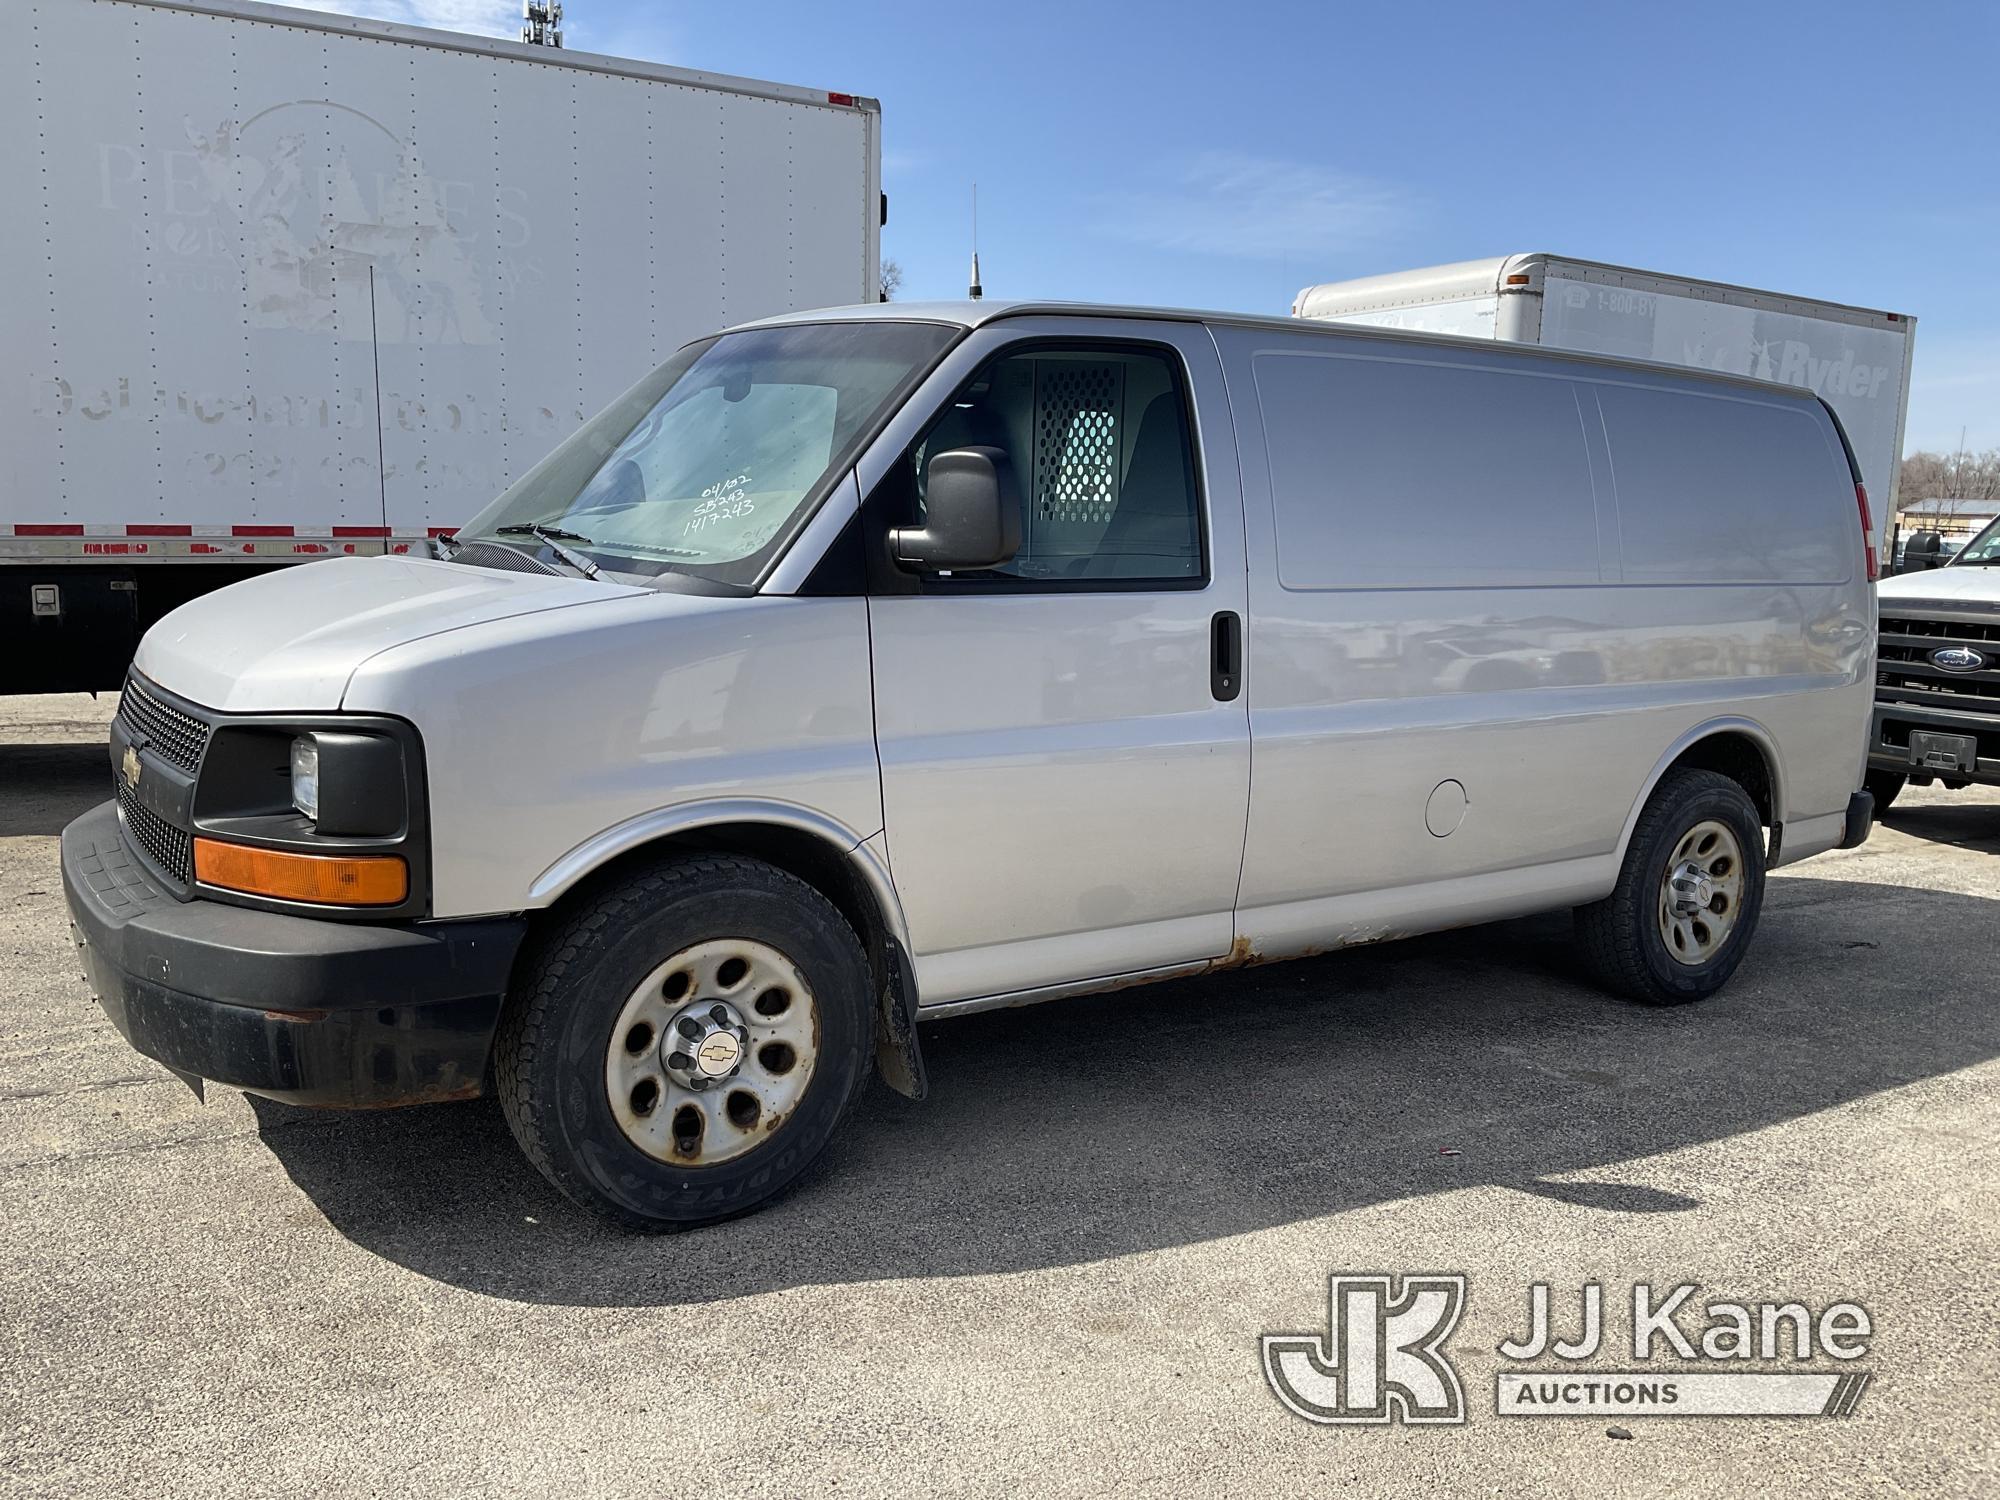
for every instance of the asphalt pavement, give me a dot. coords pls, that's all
(1050, 1277)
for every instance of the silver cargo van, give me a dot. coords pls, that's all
(881, 664)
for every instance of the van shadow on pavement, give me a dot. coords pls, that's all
(1183, 1112)
(50, 785)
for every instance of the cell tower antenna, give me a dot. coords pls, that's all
(541, 23)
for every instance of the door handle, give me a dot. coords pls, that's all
(1225, 655)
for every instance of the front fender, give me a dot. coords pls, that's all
(600, 849)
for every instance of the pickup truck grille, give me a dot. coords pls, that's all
(1905, 673)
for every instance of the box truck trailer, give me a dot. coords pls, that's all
(285, 285)
(1856, 359)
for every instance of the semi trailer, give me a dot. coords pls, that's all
(288, 285)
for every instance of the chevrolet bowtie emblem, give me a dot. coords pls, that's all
(130, 767)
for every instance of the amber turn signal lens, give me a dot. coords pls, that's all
(329, 879)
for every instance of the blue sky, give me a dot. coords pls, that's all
(1225, 154)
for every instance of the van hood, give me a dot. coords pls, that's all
(1964, 585)
(290, 640)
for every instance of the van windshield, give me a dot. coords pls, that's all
(712, 462)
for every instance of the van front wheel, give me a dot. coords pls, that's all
(1688, 896)
(681, 1047)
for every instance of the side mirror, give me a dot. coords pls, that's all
(972, 514)
(1921, 554)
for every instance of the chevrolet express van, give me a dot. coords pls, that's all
(882, 664)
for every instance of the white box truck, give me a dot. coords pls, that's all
(1855, 358)
(285, 285)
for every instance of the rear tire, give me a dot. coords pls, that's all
(1688, 896)
(624, 1006)
(1884, 786)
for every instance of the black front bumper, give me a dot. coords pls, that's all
(312, 1012)
(1889, 741)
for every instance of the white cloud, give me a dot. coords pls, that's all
(1257, 208)
(906, 160)
(479, 17)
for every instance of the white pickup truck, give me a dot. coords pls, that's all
(1937, 675)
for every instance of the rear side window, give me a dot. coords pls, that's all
(1718, 489)
(1401, 474)
(1099, 443)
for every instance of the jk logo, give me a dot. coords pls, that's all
(1382, 1358)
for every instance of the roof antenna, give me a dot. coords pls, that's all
(975, 291)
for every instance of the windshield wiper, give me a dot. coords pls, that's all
(555, 536)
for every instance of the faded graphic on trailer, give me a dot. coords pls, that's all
(277, 274)
(1857, 369)
(326, 237)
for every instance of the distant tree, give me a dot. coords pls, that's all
(892, 280)
(1950, 476)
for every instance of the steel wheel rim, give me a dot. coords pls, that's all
(656, 1069)
(1701, 893)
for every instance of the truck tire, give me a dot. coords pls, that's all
(681, 1047)
(1679, 920)
(1884, 785)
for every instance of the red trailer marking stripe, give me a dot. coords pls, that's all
(444, 531)
(360, 531)
(60, 530)
(159, 531)
(260, 531)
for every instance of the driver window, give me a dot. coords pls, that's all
(1100, 450)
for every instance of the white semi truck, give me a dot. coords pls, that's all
(1856, 359)
(285, 285)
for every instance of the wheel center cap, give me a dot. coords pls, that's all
(1693, 889)
(718, 1054)
(704, 1044)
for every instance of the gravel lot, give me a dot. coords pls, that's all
(1051, 1276)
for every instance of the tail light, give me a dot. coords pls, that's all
(1867, 531)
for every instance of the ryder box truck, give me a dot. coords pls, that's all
(1856, 359)
(285, 285)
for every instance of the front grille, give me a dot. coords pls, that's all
(171, 848)
(1905, 673)
(167, 732)
(180, 739)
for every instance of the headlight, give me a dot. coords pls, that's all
(305, 775)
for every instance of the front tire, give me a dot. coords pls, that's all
(682, 1046)
(1688, 895)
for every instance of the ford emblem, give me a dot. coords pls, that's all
(1958, 659)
